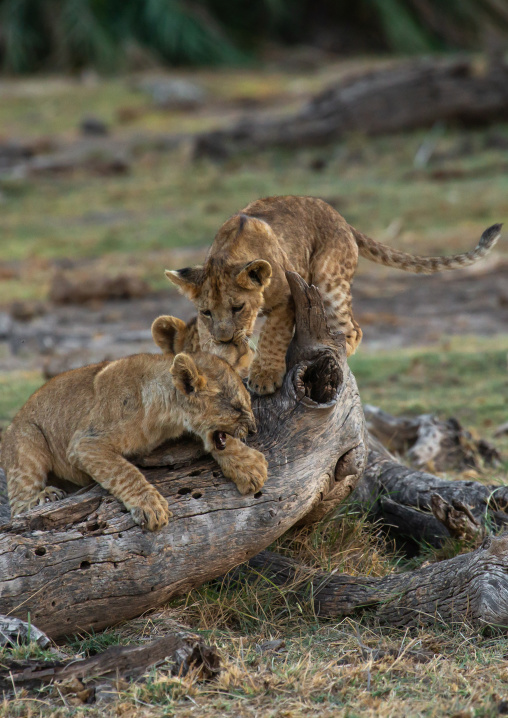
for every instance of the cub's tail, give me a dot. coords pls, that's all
(382, 254)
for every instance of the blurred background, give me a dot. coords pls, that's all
(131, 129)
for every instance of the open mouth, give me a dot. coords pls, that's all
(219, 439)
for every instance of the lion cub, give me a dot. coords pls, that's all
(84, 424)
(173, 336)
(244, 274)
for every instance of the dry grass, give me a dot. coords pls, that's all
(279, 660)
(323, 668)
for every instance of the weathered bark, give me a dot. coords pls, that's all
(430, 442)
(403, 97)
(82, 563)
(422, 508)
(13, 631)
(182, 649)
(471, 587)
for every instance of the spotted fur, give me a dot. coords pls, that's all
(172, 336)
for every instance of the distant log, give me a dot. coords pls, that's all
(403, 97)
(82, 564)
(431, 443)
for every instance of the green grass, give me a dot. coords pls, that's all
(465, 381)
(172, 203)
(15, 388)
(168, 201)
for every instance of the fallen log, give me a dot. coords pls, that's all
(402, 97)
(471, 588)
(13, 631)
(81, 564)
(183, 650)
(420, 508)
(431, 443)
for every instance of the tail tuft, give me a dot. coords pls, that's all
(490, 236)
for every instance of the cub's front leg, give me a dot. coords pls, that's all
(246, 467)
(269, 365)
(109, 468)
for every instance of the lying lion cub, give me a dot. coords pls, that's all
(173, 336)
(81, 424)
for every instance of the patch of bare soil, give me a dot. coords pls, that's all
(394, 310)
(404, 310)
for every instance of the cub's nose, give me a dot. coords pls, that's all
(224, 333)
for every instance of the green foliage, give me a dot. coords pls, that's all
(15, 389)
(92, 643)
(70, 34)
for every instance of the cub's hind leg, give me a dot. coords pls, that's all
(27, 462)
(336, 292)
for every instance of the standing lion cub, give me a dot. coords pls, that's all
(244, 274)
(85, 423)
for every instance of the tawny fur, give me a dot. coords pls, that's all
(244, 275)
(173, 335)
(84, 424)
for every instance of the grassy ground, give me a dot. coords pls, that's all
(321, 668)
(168, 201)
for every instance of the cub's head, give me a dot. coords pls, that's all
(172, 336)
(228, 290)
(212, 397)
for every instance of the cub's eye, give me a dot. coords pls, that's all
(237, 309)
(206, 312)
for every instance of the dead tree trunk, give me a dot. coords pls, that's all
(471, 587)
(419, 507)
(82, 563)
(404, 97)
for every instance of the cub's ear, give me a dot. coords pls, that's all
(186, 376)
(188, 280)
(167, 332)
(255, 274)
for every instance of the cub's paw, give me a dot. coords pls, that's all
(151, 512)
(250, 475)
(265, 380)
(46, 496)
